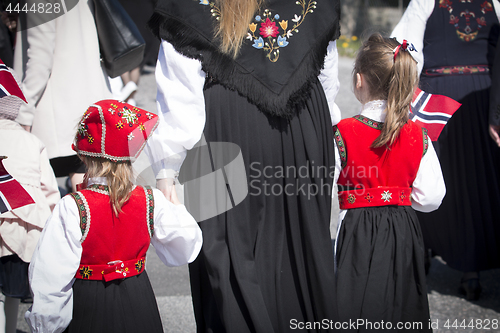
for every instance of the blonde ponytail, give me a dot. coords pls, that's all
(235, 16)
(390, 78)
(118, 176)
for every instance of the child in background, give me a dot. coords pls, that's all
(20, 229)
(386, 167)
(87, 273)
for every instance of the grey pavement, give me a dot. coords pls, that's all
(171, 284)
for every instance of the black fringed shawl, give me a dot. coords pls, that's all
(274, 73)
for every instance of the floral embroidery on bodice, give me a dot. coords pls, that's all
(467, 23)
(266, 31)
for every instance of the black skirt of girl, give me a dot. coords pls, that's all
(380, 270)
(121, 306)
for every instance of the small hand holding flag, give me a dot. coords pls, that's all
(432, 111)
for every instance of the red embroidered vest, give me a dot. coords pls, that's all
(114, 247)
(382, 176)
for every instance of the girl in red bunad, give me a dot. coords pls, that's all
(386, 168)
(87, 273)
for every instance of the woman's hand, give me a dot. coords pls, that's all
(167, 187)
(494, 130)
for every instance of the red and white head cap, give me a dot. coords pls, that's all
(114, 130)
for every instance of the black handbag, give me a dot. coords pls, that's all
(122, 46)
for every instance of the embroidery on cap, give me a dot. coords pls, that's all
(129, 116)
(82, 127)
(265, 37)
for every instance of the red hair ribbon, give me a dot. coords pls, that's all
(404, 46)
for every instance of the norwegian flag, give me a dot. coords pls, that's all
(432, 111)
(8, 84)
(12, 194)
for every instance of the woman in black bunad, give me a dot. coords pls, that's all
(457, 40)
(262, 76)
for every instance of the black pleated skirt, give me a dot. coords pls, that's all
(380, 271)
(14, 277)
(267, 262)
(465, 231)
(120, 306)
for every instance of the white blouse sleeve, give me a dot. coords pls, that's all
(329, 78)
(428, 187)
(177, 237)
(181, 109)
(52, 269)
(412, 27)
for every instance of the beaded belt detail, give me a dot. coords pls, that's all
(112, 270)
(375, 197)
(456, 70)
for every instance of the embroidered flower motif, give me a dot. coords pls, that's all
(129, 115)
(119, 125)
(269, 28)
(139, 265)
(142, 127)
(149, 115)
(386, 196)
(463, 21)
(86, 272)
(110, 110)
(258, 43)
(284, 24)
(282, 41)
(369, 197)
(351, 198)
(402, 197)
(130, 136)
(252, 27)
(486, 7)
(90, 139)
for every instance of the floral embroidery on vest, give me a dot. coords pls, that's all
(425, 141)
(264, 37)
(84, 212)
(369, 122)
(473, 21)
(86, 272)
(139, 265)
(98, 188)
(341, 146)
(150, 207)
